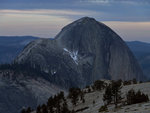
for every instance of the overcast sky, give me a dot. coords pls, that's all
(45, 18)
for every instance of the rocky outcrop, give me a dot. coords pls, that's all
(84, 51)
(51, 59)
(108, 55)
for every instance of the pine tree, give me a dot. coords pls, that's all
(74, 95)
(64, 108)
(38, 110)
(134, 81)
(98, 85)
(130, 96)
(44, 109)
(113, 93)
(23, 111)
(82, 96)
(116, 92)
(136, 97)
(50, 104)
(28, 110)
(108, 95)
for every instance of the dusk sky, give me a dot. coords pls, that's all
(45, 18)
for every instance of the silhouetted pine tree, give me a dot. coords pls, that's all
(38, 110)
(74, 95)
(44, 109)
(23, 111)
(134, 81)
(136, 97)
(98, 85)
(108, 95)
(113, 93)
(116, 91)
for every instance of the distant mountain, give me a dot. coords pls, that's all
(140, 49)
(142, 52)
(11, 46)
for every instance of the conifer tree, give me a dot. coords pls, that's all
(116, 91)
(113, 93)
(44, 109)
(98, 85)
(23, 111)
(38, 110)
(74, 95)
(108, 95)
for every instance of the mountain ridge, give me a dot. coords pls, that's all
(90, 46)
(11, 46)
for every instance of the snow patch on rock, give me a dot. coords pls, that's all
(73, 55)
(53, 71)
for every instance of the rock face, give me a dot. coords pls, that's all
(55, 61)
(84, 51)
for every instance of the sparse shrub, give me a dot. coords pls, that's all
(84, 91)
(38, 110)
(23, 111)
(89, 90)
(93, 101)
(134, 81)
(127, 83)
(103, 108)
(98, 85)
(44, 109)
(82, 96)
(141, 82)
(73, 111)
(92, 87)
(83, 100)
(119, 81)
(87, 86)
(28, 110)
(108, 95)
(136, 97)
(74, 94)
